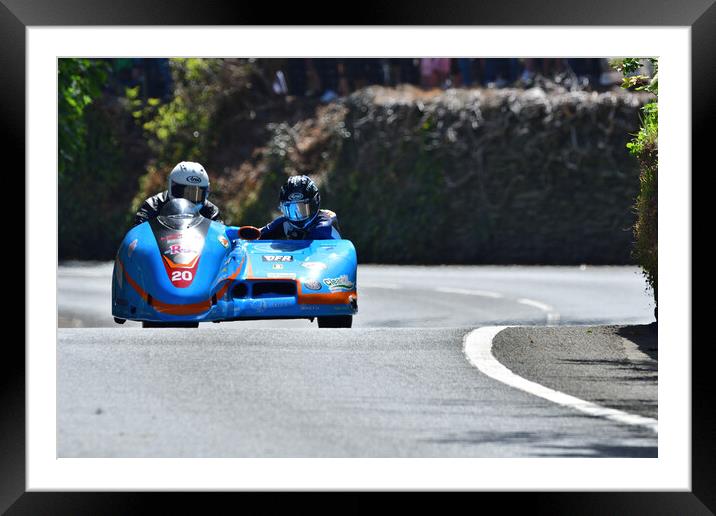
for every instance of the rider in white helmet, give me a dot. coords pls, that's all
(188, 180)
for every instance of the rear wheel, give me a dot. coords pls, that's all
(335, 321)
(152, 324)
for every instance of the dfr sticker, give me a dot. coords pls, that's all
(277, 258)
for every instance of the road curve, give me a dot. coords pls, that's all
(364, 392)
(398, 384)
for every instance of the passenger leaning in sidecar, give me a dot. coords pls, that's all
(299, 202)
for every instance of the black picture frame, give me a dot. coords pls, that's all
(17, 15)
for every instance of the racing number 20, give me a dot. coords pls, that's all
(182, 276)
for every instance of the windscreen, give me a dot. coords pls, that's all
(180, 214)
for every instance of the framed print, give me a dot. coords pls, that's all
(490, 170)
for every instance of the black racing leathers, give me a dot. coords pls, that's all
(151, 207)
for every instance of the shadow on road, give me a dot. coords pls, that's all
(543, 444)
(645, 336)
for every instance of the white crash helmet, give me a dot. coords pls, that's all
(188, 180)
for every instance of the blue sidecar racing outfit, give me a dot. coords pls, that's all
(323, 227)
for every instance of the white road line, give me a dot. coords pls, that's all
(478, 349)
(481, 293)
(531, 302)
(552, 314)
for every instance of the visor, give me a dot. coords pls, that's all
(195, 194)
(296, 211)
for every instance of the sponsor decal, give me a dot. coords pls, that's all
(277, 266)
(171, 238)
(312, 284)
(131, 248)
(178, 249)
(295, 196)
(224, 241)
(314, 266)
(193, 179)
(277, 258)
(339, 284)
(286, 275)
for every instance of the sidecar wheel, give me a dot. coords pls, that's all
(335, 321)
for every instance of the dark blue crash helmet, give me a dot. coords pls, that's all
(299, 201)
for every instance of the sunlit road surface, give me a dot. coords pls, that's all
(397, 384)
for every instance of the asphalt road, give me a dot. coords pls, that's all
(396, 385)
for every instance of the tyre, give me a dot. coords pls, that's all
(335, 321)
(151, 324)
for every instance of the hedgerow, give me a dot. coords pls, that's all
(644, 146)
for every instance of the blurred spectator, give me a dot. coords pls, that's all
(296, 76)
(330, 78)
(588, 71)
(408, 71)
(465, 66)
(313, 80)
(499, 72)
(434, 71)
(327, 70)
(364, 72)
(279, 84)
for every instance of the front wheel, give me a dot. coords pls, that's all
(335, 321)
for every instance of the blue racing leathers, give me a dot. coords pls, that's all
(323, 227)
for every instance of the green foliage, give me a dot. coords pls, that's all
(97, 169)
(178, 131)
(215, 111)
(79, 83)
(644, 146)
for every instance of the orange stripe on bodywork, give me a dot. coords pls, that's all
(180, 309)
(228, 280)
(189, 309)
(181, 265)
(334, 298)
(134, 284)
